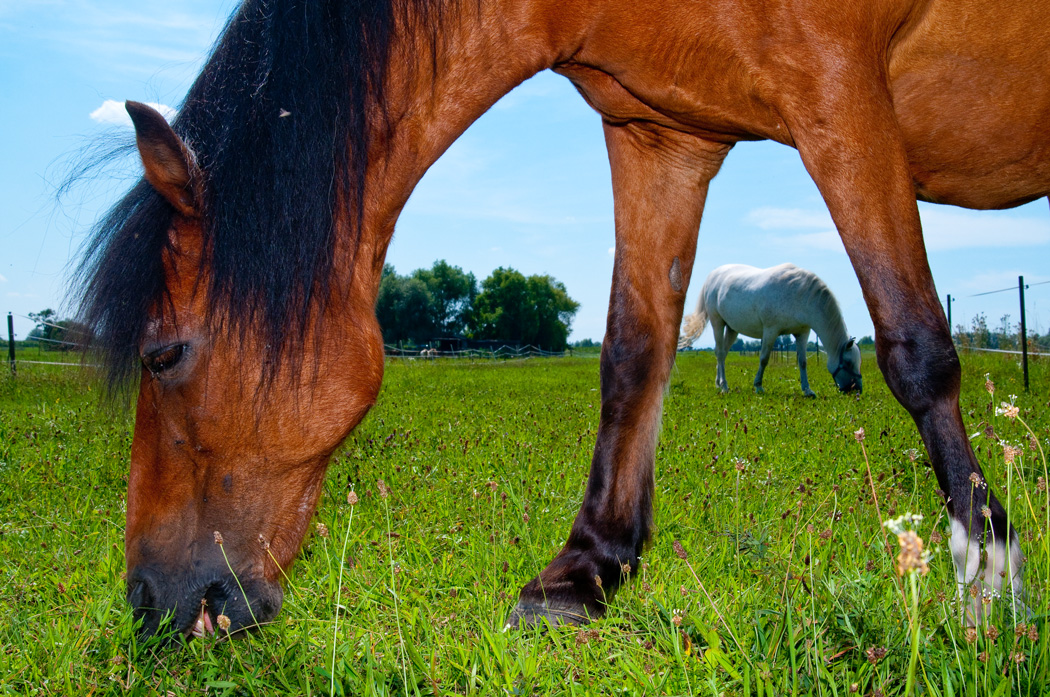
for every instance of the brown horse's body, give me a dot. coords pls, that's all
(886, 101)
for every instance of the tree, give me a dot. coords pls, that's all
(403, 308)
(536, 310)
(451, 296)
(54, 333)
(45, 324)
(429, 304)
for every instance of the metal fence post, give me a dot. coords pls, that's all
(949, 314)
(1024, 333)
(11, 342)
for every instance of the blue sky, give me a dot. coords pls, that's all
(527, 186)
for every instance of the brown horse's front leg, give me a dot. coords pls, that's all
(660, 182)
(849, 140)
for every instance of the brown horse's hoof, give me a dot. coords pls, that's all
(530, 614)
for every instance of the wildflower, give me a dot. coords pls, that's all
(625, 569)
(223, 623)
(859, 434)
(598, 580)
(679, 550)
(988, 384)
(263, 542)
(983, 657)
(525, 517)
(384, 490)
(1033, 633)
(740, 465)
(1040, 484)
(1033, 444)
(1017, 657)
(935, 538)
(1010, 453)
(351, 498)
(974, 591)
(903, 523)
(986, 512)
(971, 635)
(676, 620)
(1008, 410)
(875, 654)
(492, 486)
(218, 537)
(322, 530)
(911, 557)
(912, 454)
(989, 432)
(976, 480)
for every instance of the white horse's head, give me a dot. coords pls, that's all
(844, 366)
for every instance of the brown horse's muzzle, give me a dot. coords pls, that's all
(190, 603)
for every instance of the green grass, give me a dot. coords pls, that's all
(793, 581)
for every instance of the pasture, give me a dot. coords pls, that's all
(467, 477)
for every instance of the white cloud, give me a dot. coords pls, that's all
(612, 251)
(953, 228)
(994, 280)
(113, 113)
(943, 228)
(2, 279)
(769, 218)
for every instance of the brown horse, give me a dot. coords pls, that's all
(242, 271)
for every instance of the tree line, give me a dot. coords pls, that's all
(442, 302)
(1005, 337)
(445, 302)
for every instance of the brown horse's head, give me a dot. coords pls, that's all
(229, 451)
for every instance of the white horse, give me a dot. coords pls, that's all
(765, 304)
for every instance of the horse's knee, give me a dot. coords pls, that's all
(921, 369)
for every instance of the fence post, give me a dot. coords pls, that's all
(1024, 333)
(11, 343)
(950, 314)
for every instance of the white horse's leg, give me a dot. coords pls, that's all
(722, 343)
(768, 339)
(801, 340)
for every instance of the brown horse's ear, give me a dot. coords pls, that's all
(170, 167)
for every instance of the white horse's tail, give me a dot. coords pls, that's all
(693, 325)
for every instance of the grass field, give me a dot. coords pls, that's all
(789, 586)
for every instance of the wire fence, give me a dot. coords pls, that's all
(47, 345)
(498, 353)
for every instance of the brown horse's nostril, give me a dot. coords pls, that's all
(139, 595)
(171, 602)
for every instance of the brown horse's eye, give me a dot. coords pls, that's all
(163, 359)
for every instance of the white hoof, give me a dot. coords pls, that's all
(981, 583)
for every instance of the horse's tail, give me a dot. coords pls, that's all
(693, 325)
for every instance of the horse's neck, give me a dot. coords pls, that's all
(440, 82)
(831, 329)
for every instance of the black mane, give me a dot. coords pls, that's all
(272, 184)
